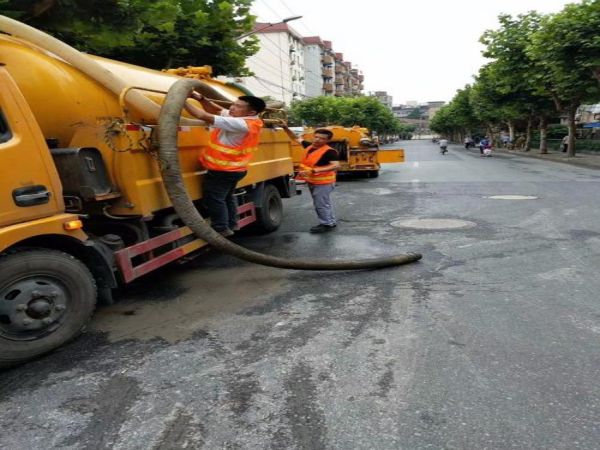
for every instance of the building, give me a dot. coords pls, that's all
(418, 115)
(316, 72)
(384, 98)
(433, 107)
(278, 66)
(328, 68)
(289, 67)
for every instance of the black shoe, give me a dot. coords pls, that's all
(321, 228)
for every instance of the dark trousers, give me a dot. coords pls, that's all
(217, 192)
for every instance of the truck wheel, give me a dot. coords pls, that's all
(269, 213)
(373, 173)
(46, 299)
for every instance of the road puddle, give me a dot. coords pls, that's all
(203, 296)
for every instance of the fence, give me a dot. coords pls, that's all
(581, 145)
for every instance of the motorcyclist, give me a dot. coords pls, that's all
(443, 146)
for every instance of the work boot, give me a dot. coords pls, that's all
(322, 228)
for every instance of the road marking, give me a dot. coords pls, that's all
(512, 197)
(416, 164)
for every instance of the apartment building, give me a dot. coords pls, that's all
(291, 67)
(316, 71)
(278, 65)
(384, 98)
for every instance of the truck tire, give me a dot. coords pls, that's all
(373, 173)
(46, 298)
(269, 213)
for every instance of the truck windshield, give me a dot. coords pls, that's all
(5, 134)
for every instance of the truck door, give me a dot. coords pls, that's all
(29, 185)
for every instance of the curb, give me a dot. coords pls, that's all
(580, 160)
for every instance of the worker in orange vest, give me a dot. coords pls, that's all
(234, 137)
(319, 168)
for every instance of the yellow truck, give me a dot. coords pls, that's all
(82, 204)
(360, 153)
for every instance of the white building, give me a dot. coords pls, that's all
(315, 70)
(279, 64)
(384, 98)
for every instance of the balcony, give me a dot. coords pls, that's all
(339, 79)
(361, 78)
(340, 68)
(327, 59)
(328, 73)
(328, 87)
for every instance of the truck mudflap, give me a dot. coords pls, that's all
(390, 156)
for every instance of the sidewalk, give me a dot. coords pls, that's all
(589, 160)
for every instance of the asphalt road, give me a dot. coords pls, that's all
(490, 342)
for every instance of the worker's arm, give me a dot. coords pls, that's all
(289, 132)
(203, 114)
(208, 106)
(333, 165)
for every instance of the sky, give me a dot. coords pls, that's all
(420, 50)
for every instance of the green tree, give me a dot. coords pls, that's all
(457, 119)
(152, 33)
(520, 93)
(346, 111)
(415, 114)
(566, 50)
(317, 111)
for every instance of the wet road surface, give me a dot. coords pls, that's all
(491, 341)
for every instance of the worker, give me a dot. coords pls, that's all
(319, 168)
(234, 136)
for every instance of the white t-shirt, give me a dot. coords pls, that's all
(233, 129)
(443, 143)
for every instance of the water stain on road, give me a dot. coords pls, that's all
(204, 296)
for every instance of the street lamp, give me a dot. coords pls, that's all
(269, 25)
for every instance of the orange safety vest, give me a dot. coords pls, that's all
(227, 158)
(309, 161)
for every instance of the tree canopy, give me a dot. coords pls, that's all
(367, 112)
(540, 66)
(152, 33)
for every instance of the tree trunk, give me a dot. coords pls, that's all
(571, 116)
(490, 132)
(511, 131)
(596, 72)
(543, 135)
(528, 135)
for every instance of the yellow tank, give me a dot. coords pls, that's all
(63, 99)
(73, 110)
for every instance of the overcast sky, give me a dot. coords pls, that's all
(422, 50)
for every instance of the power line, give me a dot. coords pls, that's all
(269, 6)
(302, 22)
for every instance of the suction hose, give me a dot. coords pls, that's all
(87, 65)
(171, 174)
